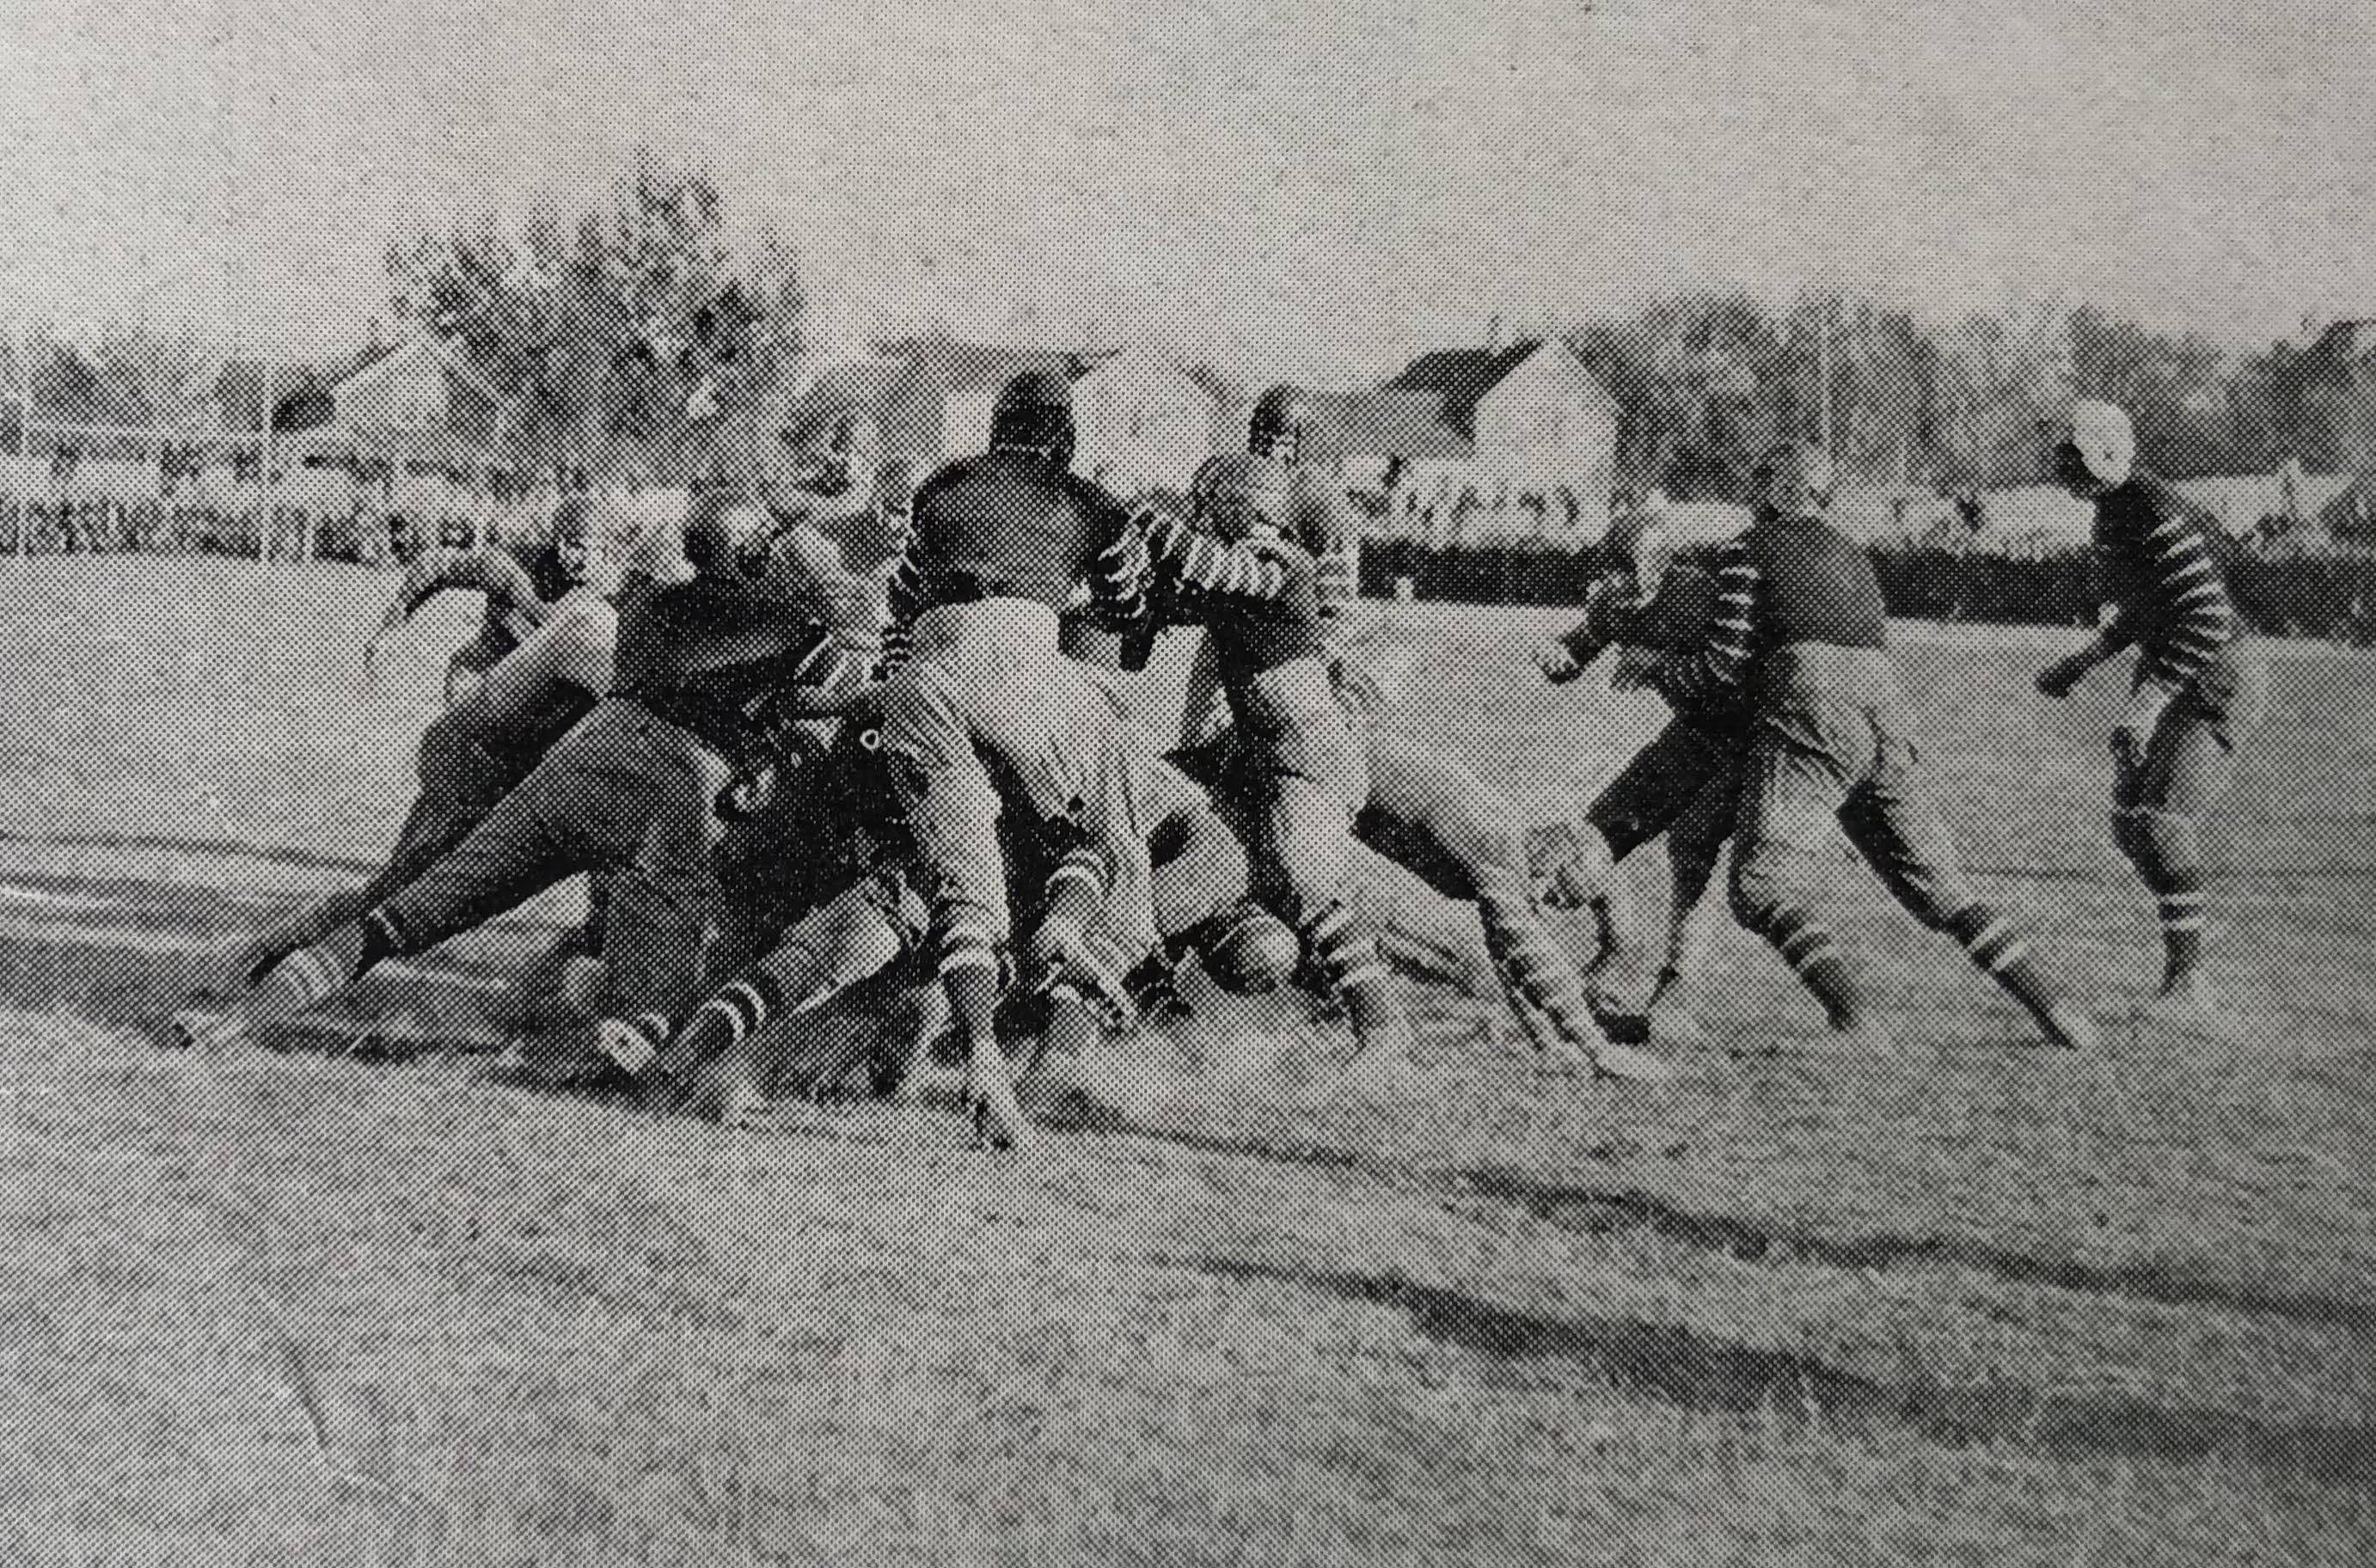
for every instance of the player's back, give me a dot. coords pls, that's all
(1007, 525)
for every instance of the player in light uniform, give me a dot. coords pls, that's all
(1799, 630)
(983, 712)
(1297, 774)
(629, 792)
(1683, 784)
(2199, 690)
(1319, 520)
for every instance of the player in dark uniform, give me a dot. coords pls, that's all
(2199, 690)
(629, 792)
(1799, 630)
(1319, 520)
(982, 712)
(521, 579)
(1298, 779)
(1681, 785)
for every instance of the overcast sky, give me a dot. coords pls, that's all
(1309, 190)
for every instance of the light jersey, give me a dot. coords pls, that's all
(538, 689)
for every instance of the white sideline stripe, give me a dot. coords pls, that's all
(21, 928)
(10, 892)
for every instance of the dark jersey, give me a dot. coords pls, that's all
(2158, 562)
(1006, 525)
(705, 655)
(1783, 581)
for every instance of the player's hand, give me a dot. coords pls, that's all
(1558, 664)
(1565, 888)
(2057, 679)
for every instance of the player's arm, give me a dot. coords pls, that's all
(1712, 672)
(1200, 561)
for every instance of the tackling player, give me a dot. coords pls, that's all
(521, 579)
(1297, 779)
(1318, 519)
(630, 792)
(982, 711)
(1799, 634)
(1682, 784)
(2198, 692)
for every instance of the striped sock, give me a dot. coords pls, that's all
(2000, 946)
(631, 1044)
(2181, 931)
(1806, 944)
(1532, 965)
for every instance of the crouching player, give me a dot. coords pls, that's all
(1799, 632)
(1683, 784)
(628, 793)
(1297, 777)
(2198, 693)
(521, 580)
(849, 914)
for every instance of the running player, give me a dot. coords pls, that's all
(2199, 690)
(1799, 632)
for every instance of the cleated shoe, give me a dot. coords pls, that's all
(2191, 1006)
(194, 1029)
(2071, 1026)
(1628, 1064)
(997, 1116)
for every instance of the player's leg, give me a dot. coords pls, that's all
(1694, 853)
(953, 809)
(1783, 828)
(840, 944)
(1302, 835)
(1203, 707)
(525, 846)
(2189, 767)
(1893, 818)
(664, 896)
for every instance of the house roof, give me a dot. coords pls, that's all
(963, 366)
(1461, 377)
(1389, 422)
(373, 360)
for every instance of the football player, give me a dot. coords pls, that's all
(1319, 519)
(1297, 777)
(1799, 632)
(2198, 692)
(983, 712)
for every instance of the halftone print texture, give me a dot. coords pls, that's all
(716, 481)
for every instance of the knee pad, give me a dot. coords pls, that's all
(2169, 848)
(1251, 952)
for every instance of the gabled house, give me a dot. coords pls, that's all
(1516, 439)
(1145, 422)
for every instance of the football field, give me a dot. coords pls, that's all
(1975, 1304)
